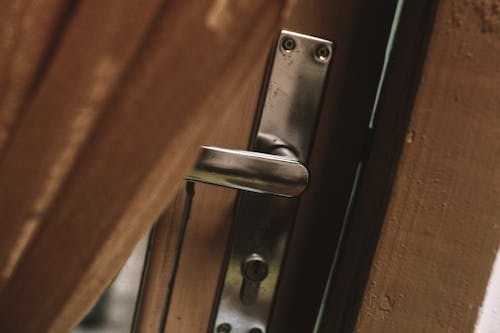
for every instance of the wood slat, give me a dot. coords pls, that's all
(353, 262)
(211, 216)
(160, 267)
(440, 235)
(94, 52)
(182, 83)
(29, 32)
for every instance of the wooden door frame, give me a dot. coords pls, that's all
(349, 276)
(340, 145)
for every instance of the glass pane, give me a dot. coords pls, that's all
(114, 311)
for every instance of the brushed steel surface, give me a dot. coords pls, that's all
(286, 125)
(250, 171)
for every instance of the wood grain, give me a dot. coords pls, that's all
(29, 33)
(210, 219)
(132, 163)
(441, 232)
(357, 246)
(94, 52)
(160, 267)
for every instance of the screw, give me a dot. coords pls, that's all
(254, 268)
(255, 330)
(224, 328)
(322, 53)
(288, 44)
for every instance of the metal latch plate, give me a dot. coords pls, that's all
(288, 116)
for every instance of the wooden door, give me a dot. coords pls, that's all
(346, 114)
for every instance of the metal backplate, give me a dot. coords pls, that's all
(289, 111)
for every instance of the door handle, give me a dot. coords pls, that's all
(281, 142)
(251, 171)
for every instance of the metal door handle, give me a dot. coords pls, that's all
(251, 171)
(281, 142)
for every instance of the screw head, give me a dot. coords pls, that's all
(223, 328)
(322, 53)
(254, 268)
(255, 330)
(288, 44)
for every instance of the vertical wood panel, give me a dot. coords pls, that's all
(359, 240)
(93, 53)
(160, 267)
(211, 216)
(185, 79)
(441, 233)
(29, 32)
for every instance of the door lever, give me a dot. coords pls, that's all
(280, 145)
(251, 171)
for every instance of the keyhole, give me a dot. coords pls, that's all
(254, 270)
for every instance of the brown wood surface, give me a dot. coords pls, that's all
(29, 32)
(441, 234)
(27, 43)
(132, 90)
(93, 53)
(159, 269)
(362, 229)
(210, 219)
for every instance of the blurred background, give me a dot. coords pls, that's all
(114, 311)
